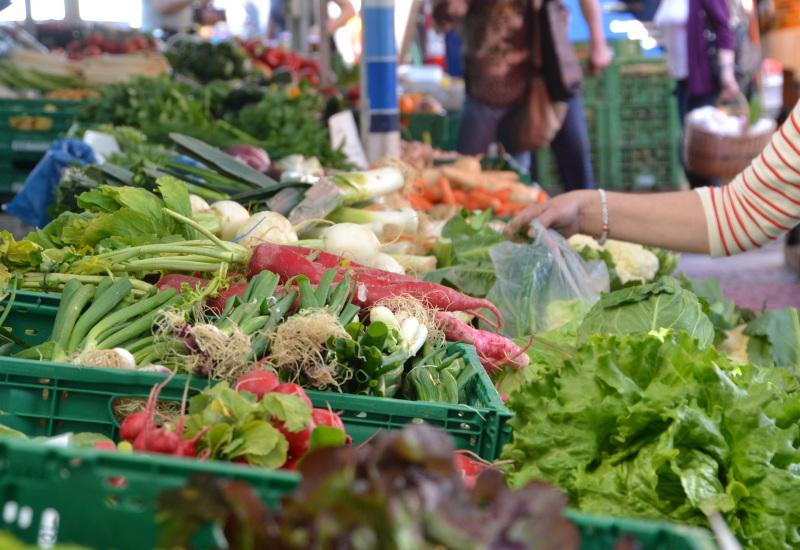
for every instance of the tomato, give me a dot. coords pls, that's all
(273, 57)
(141, 42)
(291, 60)
(306, 63)
(129, 46)
(94, 39)
(92, 51)
(310, 75)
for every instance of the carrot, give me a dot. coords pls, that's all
(418, 202)
(432, 195)
(447, 192)
(460, 196)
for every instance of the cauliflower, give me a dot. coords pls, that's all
(633, 262)
(579, 242)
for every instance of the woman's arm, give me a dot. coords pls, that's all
(719, 20)
(675, 221)
(168, 7)
(760, 204)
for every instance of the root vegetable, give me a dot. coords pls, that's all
(352, 241)
(258, 382)
(263, 227)
(199, 204)
(290, 388)
(388, 263)
(232, 215)
(494, 350)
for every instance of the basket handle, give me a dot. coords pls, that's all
(741, 103)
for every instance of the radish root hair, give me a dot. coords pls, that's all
(298, 345)
(407, 305)
(103, 358)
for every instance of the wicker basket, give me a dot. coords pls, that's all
(713, 155)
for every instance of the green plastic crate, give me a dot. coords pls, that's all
(13, 176)
(30, 145)
(103, 499)
(603, 533)
(32, 315)
(46, 399)
(439, 130)
(50, 398)
(106, 500)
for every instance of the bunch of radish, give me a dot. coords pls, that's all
(261, 383)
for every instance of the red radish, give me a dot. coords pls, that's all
(258, 382)
(254, 157)
(291, 464)
(188, 447)
(326, 417)
(494, 350)
(133, 425)
(299, 442)
(290, 388)
(217, 303)
(470, 466)
(104, 446)
(377, 283)
(161, 440)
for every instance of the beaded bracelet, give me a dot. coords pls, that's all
(602, 240)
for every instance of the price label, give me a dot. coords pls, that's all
(343, 130)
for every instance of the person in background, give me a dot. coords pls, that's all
(756, 207)
(495, 51)
(699, 87)
(169, 15)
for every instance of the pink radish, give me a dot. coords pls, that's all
(374, 284)
(133, 425)
(176, 281)
(325, 417)
(494, 350)
(289, 388)
(104, 446)
(258, 382)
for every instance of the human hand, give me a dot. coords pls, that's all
(728, 83)
(599, 58)
(561, 213)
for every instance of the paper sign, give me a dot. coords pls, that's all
(343, 130)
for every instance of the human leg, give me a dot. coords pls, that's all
(479, 126)
(570, 148)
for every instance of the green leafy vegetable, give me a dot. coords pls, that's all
(775, 339)
(646, 308)
(462, 253)
(656, 426)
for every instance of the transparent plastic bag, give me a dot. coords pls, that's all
(543, 285)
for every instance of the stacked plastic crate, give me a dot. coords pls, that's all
(632, 121)
(27, 128)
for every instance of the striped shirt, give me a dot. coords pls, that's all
(763, 201)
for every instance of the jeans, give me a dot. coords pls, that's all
(688, 103)
(483, 124)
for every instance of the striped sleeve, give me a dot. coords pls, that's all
(763, 201)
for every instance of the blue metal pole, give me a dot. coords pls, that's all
(380, 111)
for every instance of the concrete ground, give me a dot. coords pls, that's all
(752, 278)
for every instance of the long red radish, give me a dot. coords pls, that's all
(374, 284)
(494, 350)
(217, 303)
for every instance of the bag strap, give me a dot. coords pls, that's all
(536, 38)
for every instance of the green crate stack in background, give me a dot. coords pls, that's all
(437, 130)
(27, 128)
(632, 118)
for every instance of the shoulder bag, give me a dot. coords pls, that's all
(536, 122)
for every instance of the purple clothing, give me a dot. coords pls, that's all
(701, 80)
